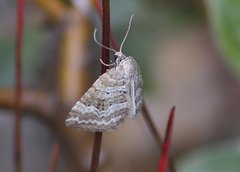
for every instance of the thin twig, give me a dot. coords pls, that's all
(151, 126)
(105, 59)
(18, 88)
(96, 151)
(105, 34)
(32, 101)
(112, 38)
(54, 157)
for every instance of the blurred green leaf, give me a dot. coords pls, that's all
(220, 157)
(34, 54)
(224, 17)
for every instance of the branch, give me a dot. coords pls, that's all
(112, 38)
(55, 9)
(105, 59)
(54, 157)
(151, 126)
(32, 101)
(18, 87)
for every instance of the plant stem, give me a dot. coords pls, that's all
(96, 151)
(18, 86)
(151, 126)
(54, 157)
(112, 38)
(105, 59)
(156, 136)
(105, 34)
(164, 159)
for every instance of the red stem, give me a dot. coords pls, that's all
(105, 34)
(54, 157)
(18, 86)
(163, 163)
(105, 59)
(148, 120)
(112, 38)
(96, 151)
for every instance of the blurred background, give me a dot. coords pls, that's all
(189, 53)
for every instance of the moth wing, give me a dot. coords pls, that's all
(104, 106)
(134, 86)
(138, 91)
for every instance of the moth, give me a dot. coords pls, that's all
(114, 96)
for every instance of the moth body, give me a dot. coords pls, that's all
(115, 95)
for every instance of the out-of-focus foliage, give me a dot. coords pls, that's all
(34, 55)
(225, 19)
(219, 157)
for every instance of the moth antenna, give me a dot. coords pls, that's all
(125, 37)
(108, 65)
(101, 45)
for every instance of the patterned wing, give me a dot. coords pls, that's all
(104, 106)
(138, 91)
(134, 85)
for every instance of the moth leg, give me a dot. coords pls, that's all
(133, 100)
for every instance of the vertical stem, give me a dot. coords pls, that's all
(105, 59)
(96, 151)
(105, 34)
(54, 157)
(18, 86)
(112, 38)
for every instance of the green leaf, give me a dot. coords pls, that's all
(224, 16)
(218, 157)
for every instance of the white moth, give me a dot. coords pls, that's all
(115, 95)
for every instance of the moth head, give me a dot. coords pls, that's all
(120, 57)
(119, 53)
